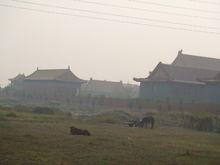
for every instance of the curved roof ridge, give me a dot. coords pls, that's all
(194, 61)
(54, 74)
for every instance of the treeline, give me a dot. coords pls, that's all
(89, 102)
(201, 121)
(21, 111)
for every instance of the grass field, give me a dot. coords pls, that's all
(27, 138)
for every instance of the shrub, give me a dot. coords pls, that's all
(197, 121)
(113, 117)
(201, 123)
(217, 124)
(68, 115)
(22, 108)
(44, 110)
(11, 114)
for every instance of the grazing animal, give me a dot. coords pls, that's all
(133, 123)
(142, 123)
(130, 124)
(147, 120)
(77, 131)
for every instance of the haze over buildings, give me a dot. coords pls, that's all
(102, 49)
(188, 79)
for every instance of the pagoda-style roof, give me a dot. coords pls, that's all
(192, 61)
(186, 69)
(166, 72)
(64, 75)
(19, 77)
(102, 87)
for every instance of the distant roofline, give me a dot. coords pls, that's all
(28, 78)
(177, 81)
(54, 80)
(18, 76)
(175, 66)
(50, 69)
(44, 70)
(201, 56)
(180, 53)
(106, 81)
(170, 65)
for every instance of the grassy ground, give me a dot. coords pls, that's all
(27, 138)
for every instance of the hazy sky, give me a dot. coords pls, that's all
(101, 49)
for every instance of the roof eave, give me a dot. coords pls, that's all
(139, 79)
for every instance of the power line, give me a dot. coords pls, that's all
(109, 20)
(172, 6)
(116, 15)
(147, 10)
(206, 2)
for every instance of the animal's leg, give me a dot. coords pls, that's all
(152, 124)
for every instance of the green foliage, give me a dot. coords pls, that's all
(68, 115)
(51, 143)
(11, 114)
(44, 110)
(22, 108)
(112, 117)
(198, 121)
(201, 122)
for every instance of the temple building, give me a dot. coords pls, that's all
(188, 79)
(50, 83)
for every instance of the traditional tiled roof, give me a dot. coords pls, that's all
(165, 72)
(215, 79)
(107, 88)
(192, 61)
(64, 75)
(18, 78)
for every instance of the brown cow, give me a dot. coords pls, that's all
(77, 131)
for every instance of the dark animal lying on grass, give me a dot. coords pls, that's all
(143, 123)
(77, 131)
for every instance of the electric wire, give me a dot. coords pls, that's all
(172, 6)
(116, 15)
(206, 2)
(109, 20)
(145, 10)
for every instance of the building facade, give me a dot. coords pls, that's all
(104, 88)
(51, 84)
(188, 79)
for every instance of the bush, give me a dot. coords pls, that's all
(113, 117)
(202, 123)
(11, 114)
(68, 115)
(22, 108)
(198, 121)
(217, 124)
(44, 110)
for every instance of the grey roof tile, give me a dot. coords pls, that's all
(193, 61)
(54, 74)
(179, 74)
